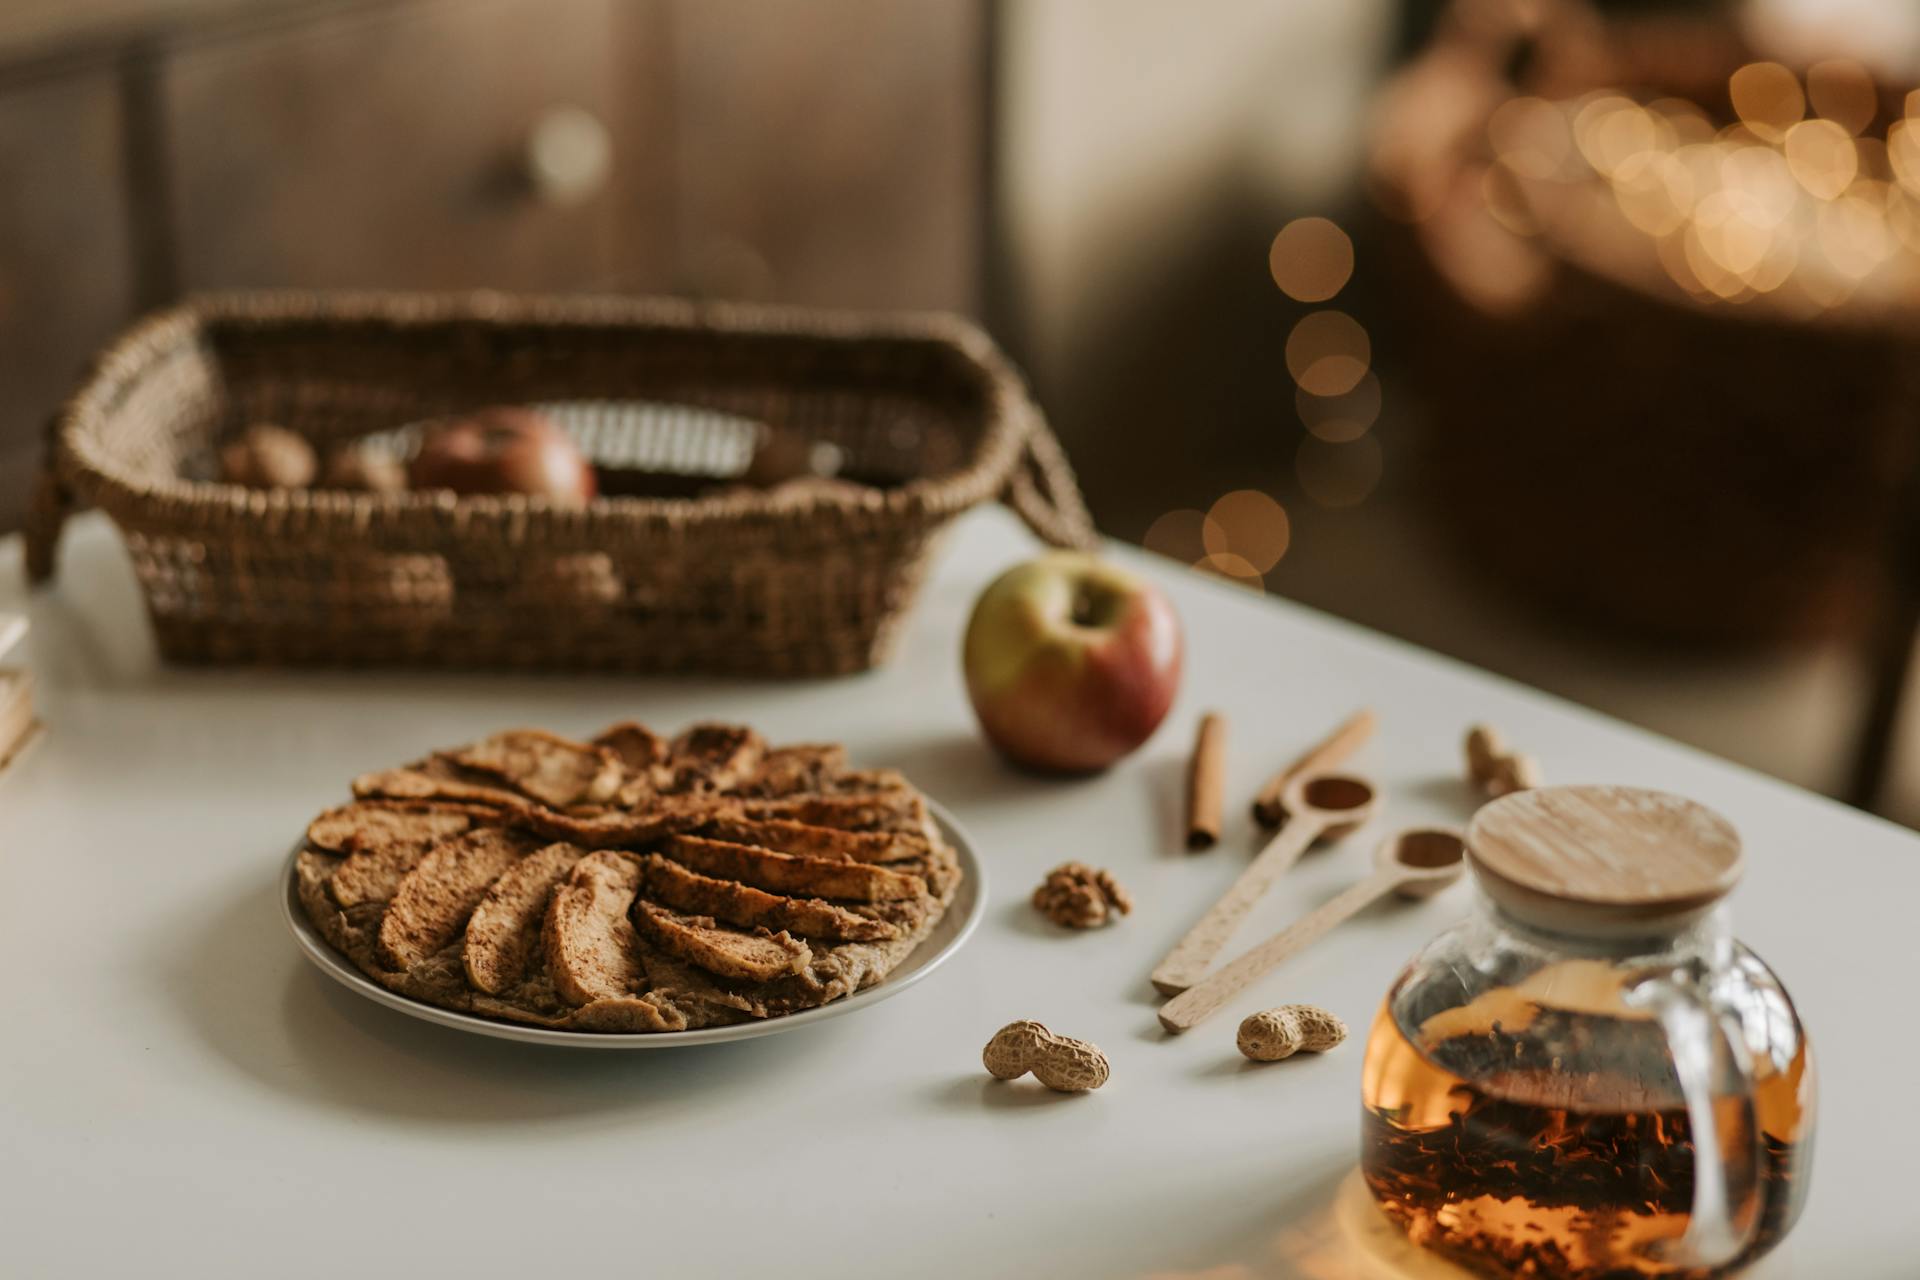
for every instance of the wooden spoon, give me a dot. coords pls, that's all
(1328, 753)
(1318, 805)
(1414, 864)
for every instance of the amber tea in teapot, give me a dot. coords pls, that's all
(1591, 1080)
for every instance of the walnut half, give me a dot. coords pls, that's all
(1076, 896)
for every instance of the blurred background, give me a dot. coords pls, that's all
(1571, 339)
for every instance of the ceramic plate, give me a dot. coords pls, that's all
(969, 902)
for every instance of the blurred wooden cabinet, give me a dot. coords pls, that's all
(831, 151)
(66, 277)
(828, 153)
(389, 148)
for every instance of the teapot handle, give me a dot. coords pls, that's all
(1697, 1033)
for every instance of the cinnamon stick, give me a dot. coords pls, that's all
(1325, 754)
(1207, 782)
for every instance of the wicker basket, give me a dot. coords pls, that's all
(925, 411)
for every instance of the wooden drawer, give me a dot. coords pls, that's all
(65, 274)
(387, 148)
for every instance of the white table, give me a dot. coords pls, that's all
(181, 1094)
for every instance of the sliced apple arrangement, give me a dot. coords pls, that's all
(630, 883)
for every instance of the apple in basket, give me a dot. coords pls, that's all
(1071, 662)
(503, 450)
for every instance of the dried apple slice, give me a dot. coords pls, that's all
(417, 783)
(785, 873)
(505, 928)
(889, 783)
(433, 901)
(786, 771)
(873, 811)
(364, 824)
(783, 835)
(382, 844)
(589, 941)
(755, 957)
(714, 757)
(616, 830)
(627, 1015)
(638, 747)
(556, 771)
(688, 891)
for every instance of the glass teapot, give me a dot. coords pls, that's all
(1590, 1078)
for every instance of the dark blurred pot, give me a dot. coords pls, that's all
(1633, 459)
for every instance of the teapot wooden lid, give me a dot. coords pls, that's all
(1602, 859)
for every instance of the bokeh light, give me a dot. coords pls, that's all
(1822, 158)
(1501, 193)
(1903, 218)
(1761, 180)
(1903, 154)
(1825, 289)
(1701, 161)
(1807, 208)
(1733, 229)
(1338, 419)
(1311, 259)
(1233, 568)
(1328, 353)
(1710, 241)
(1530, 136)
(1767, 98)
(1338, 475)
(1181, 534)
(1774, 270)
(1871, 154)
(1655, 192)
(1853, 236)
(1672, 251)
(1684, 120)
(1842, 90)
(1249, 524)
(1611, 130)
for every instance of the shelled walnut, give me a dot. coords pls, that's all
(268, 457)
(357, 469)
(1076, 896)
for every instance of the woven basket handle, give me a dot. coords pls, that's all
(1044, 493)
(47, 511)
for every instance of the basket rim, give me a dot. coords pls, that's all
(178, 505)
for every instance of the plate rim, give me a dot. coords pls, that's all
(322, 956)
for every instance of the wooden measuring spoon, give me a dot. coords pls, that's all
(1414, 864)
(1318, 805)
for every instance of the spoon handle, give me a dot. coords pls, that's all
(1187, 962)
(1204, 999)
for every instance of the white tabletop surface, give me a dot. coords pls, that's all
(181, 1093)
